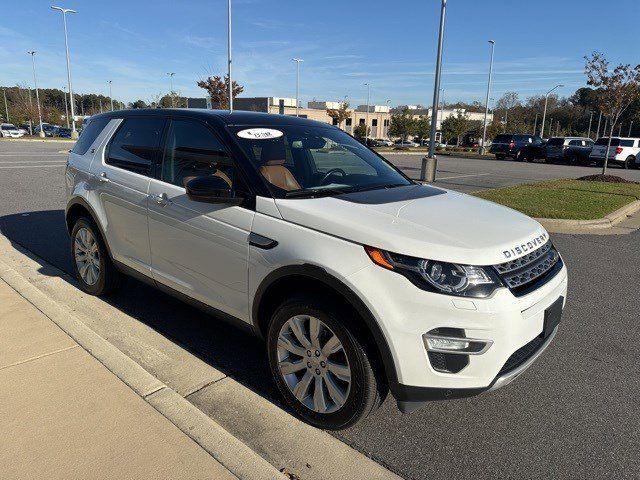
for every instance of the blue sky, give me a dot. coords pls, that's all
(344, 43)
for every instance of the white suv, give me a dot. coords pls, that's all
(623, 151)
(359, 280)
(9, 130)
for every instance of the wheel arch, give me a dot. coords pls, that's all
(302, 278)
(77, 208)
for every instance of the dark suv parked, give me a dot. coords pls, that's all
(509, 145)
(569, 149)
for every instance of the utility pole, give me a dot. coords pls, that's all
(486, 107)
(35, 84)
(297, 60)
(66, 106)
(74, 132)
(6, 106)
(229, 55)
(171, 74)
(546, 101)
(110, 94)
(431, 162)
(366, 122)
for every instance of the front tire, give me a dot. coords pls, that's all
(96, 273)
(322, 368)
(629, 162)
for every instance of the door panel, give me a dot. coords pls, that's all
(123, 185)
(199, 249)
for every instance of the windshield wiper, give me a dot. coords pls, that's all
(381, 186)
(318, 192)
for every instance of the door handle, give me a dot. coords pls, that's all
(161, 199)
(103, 178)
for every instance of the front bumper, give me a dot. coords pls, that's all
(405, 313)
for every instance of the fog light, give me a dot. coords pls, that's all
(435, 342)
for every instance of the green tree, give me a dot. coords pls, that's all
(138, 104)
(422, 127)
(361, 131)
(402, 124)
(339, 115)
(217, 87)
(172, 100)
(455, 126)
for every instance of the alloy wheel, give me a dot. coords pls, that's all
(314, 364)
(87, 256)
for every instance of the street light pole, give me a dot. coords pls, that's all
(110, 95)
(74, 132)
(66, 106)
(171, 74)
(630, 125)
(486, 109)
(590, 123)
(366, 122)
(297, 60)
(230, 87)
(599, 121)
(546, 101)
(436, 100)
(535, 125)
(35, 84)
(6, 106)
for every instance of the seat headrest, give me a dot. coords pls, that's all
(272, 163)
(272, 150)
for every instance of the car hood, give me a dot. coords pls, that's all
(421, 221)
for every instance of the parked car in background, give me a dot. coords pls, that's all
(372, 142)
(47, 128)
(623, 151)
(26, 127)
(405, 143)
(569, 149)
(510, 145)
(61, 132)
(537, 150)
(9, 130)
(385, 143)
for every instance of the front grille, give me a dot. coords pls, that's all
(522, 355)
(531, 271)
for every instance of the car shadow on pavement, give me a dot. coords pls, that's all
(230, 350)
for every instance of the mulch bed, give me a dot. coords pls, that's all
(606, 179)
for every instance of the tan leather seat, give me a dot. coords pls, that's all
(277, 174)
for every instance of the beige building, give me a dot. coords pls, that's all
(378, 118)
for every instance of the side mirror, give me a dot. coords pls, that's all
(211, 189)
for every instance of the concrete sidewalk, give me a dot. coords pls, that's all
(63, 415)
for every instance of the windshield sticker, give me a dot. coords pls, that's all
(260, 133)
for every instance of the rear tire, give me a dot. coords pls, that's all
(500, 157)
(629, 162)
(93, 267)
(328, 390)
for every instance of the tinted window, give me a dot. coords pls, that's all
(89, 134)
(135, 145)
(615, 142)
(626, 143)
(523, 138)
(555, 142)
(503, 139)
(191, 150)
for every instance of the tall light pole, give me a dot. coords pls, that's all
(598, 130)
(35, 84)
(74, 132)
(170, 75)
(110, 94)
(546, 101)
(486, 108)
(535, 125)
(6, 107)
(66, 106)
(230, 87)
(590, 123)
(297, 60)
(630, 125)
(366, 121)
(436, 101)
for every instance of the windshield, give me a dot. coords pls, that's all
(8, 127)
(309, 161)
(555, 142)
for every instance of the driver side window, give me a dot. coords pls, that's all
(334, 156)
(191, 150)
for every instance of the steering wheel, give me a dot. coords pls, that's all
(331, 172)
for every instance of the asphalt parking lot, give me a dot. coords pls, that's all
(574, 414)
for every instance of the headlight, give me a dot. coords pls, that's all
(441, 277)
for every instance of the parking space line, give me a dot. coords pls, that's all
(33, 166)
(462, 176)
(3, 162)
(34, 154)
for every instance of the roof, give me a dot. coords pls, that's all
(237, 117)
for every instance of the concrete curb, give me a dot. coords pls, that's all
(608, 221)
(234, 455)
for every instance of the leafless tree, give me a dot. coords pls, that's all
(617, 90)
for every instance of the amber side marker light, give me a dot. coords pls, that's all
(378, 257)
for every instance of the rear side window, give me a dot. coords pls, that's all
(136, 144)
(523, 138)
(626, 143)
(503, 139)
(89, 134)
